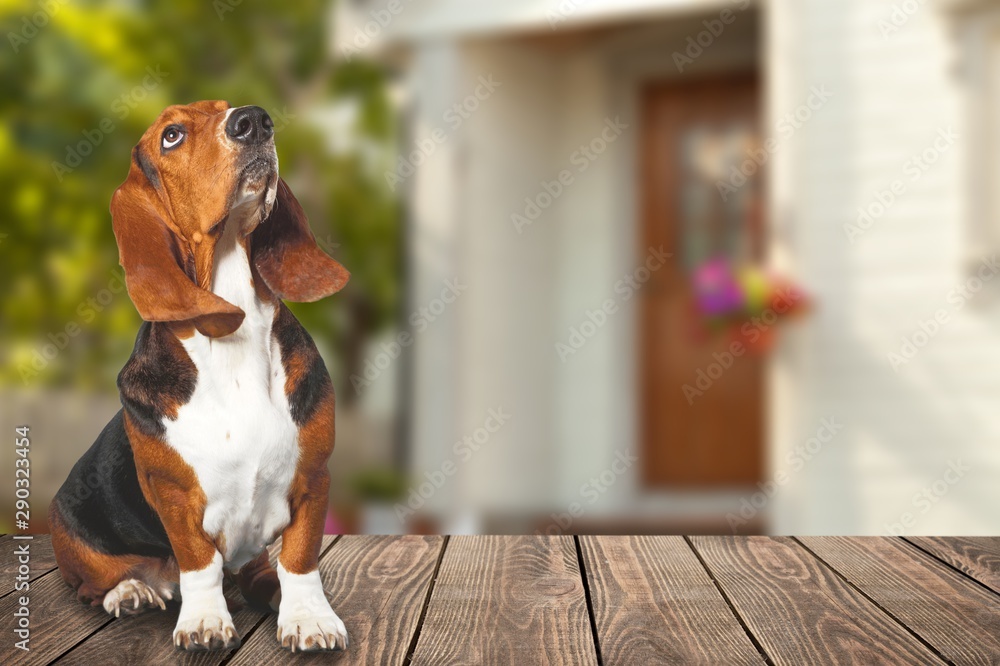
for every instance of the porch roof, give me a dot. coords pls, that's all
(471, 18)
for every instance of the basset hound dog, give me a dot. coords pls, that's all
(228, 411)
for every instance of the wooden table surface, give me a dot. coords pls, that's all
(581, 600)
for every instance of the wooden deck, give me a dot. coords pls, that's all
(582, 600)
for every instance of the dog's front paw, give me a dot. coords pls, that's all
(206, 632)
(305, 620)
(304, 632)
(132, 596)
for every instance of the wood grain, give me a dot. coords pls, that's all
(654, 603)
(522, 600)
(147, 639)
(117, 643)
(43, 560)
(57, 621)
(955, 615)
(507, 600)
(378, 586)
(800, 611)
(979, 557)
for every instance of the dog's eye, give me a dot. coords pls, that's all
(172, 136)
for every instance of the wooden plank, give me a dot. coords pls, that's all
(42, 560)
(654, 603)
(507, 600)
(955, 615)
(977, 557)
(117, 642)
(378, 586)
(799, 610)
(57, 621)
(147, 638)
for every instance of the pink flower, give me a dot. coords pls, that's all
(716, 288)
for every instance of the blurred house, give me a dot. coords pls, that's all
(551, 149)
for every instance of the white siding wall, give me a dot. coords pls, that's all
(434, 259)
(508, 150)
(487, 351)
(901, 429)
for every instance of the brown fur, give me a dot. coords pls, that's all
(171, 488)
(258, 582)
(166, 233)
(284, 241)
(301, 540)
(92, 574)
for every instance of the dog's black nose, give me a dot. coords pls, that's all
(250, 124)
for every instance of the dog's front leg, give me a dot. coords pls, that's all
(171, 487)
(204, 622)
(305, 619)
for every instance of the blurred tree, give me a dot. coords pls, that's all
(81, 82)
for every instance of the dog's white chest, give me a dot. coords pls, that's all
(237, 432)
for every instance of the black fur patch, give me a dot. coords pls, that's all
(102, 504)
(297, 347)
(146, 167)
(157, 376)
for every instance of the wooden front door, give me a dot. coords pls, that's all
(693, 135)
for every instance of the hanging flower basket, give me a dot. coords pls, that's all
(743, 304)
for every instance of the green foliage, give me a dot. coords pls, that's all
(379, 484)
(105, 71)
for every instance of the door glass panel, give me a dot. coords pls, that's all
(716, 196)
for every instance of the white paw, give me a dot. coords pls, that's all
(132, 596)
(305, 619)
(204, 622)
(312, 631)
(206, 632)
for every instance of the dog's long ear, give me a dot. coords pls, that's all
(285, 253)
(150, 251)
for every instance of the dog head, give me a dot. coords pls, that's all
(196, 169)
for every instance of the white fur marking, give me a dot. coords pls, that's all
(237, 432)
(305, 619)
(203, 605)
